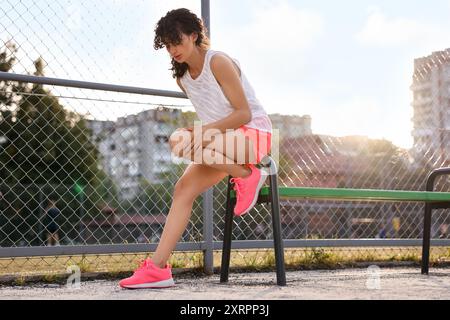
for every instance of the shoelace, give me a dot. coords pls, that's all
(239, 186)
(144, 264)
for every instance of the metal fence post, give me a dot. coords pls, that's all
(82, 200)
(41, 217)
(206, 16)
(208, 222)
(208, 196)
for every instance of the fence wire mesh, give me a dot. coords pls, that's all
(104, 156)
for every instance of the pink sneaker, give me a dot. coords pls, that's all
(149, 276)
(247, 190)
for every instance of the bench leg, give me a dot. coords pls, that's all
(427, 218)
(277, 236)
(426, 239)
(228, 232)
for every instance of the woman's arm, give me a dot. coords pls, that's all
(181, 87)
(227, 75)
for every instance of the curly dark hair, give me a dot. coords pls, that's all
(169, 30)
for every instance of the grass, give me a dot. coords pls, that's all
(19, 271)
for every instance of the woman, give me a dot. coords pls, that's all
(234, 135)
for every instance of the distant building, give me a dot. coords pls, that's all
(323, 161)
(135, 147)
(431, 89)
(101, 131)
(291, 126)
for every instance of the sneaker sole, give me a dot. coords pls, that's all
(262, 179)
(154, 285)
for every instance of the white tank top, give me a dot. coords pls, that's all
(212, 105)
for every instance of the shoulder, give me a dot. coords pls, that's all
(220, 61)
(222, 65)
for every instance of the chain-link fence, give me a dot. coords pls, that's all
(86, 168)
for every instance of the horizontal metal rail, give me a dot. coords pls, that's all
(17, 252)
(6, 76)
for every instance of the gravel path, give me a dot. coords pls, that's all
(374, 283)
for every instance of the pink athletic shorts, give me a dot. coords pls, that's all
(262, 141)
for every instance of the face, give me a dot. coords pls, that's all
(182, 51)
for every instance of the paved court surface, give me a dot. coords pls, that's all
(372, 283)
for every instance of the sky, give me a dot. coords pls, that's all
(348, 64)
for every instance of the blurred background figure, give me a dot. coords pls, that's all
(50, 221)
(443, 231)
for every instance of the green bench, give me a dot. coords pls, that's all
(272, 194)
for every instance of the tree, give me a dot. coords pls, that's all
(44, 145)
(385, 164)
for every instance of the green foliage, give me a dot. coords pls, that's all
(45, 142)
(44, 148)
(154, 198)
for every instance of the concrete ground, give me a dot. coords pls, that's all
(366, 284)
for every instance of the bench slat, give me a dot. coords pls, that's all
(361, 194)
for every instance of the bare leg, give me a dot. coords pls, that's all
(230, 156)
(220, 160)
(196, 180)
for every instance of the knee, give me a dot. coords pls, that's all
(184, 189)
